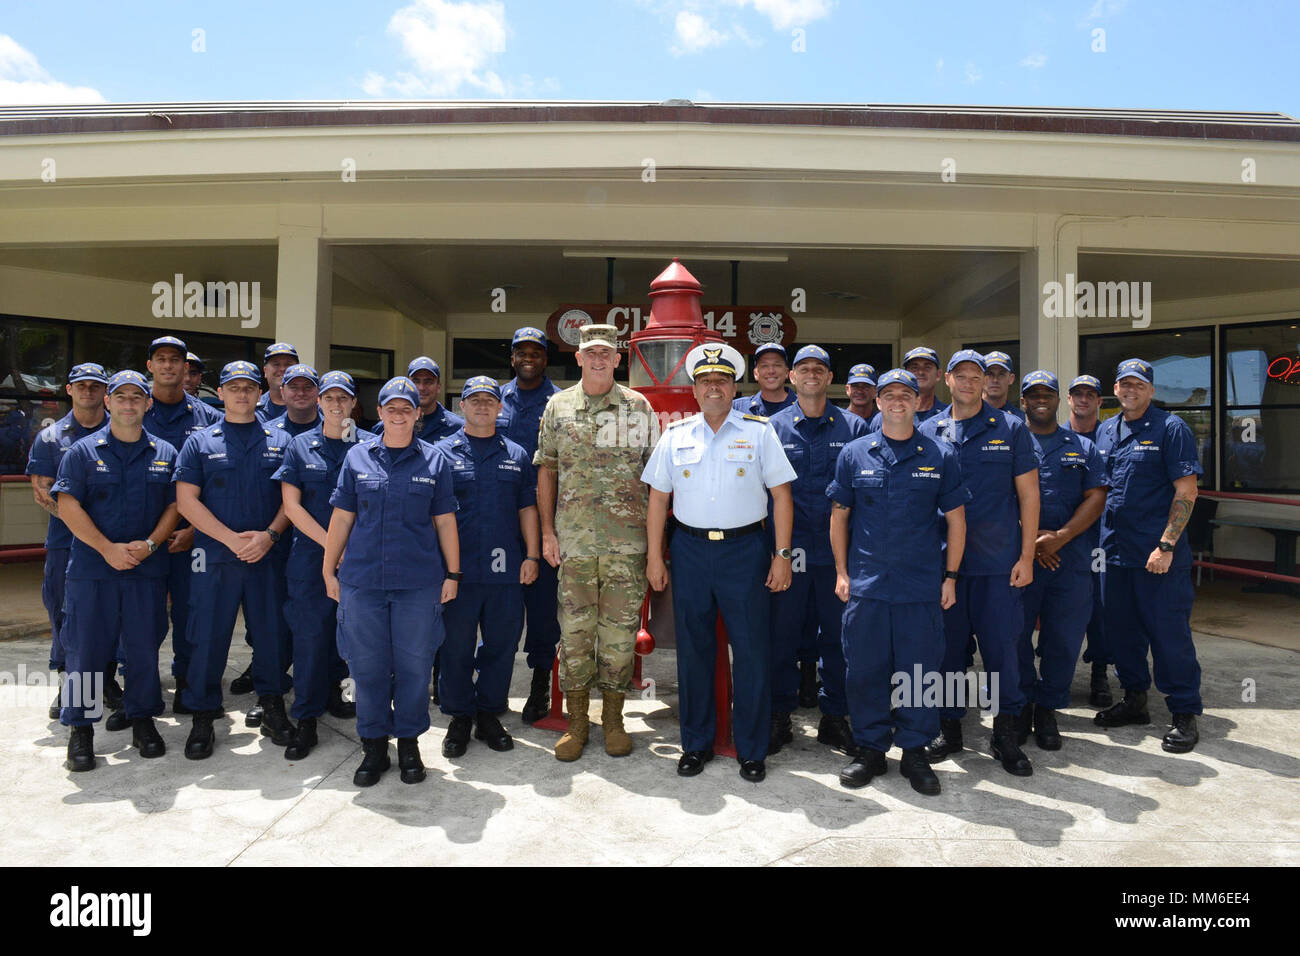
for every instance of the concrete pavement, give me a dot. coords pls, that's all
(1105, 799)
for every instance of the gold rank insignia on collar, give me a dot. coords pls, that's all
(755, 418)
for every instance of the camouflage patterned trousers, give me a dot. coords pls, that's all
(600, 611)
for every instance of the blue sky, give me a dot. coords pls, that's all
(1161, 55)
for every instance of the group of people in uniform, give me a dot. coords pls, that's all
(858, 556)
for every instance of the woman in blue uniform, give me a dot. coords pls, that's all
(394, 513)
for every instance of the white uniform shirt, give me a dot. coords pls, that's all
(718, 480)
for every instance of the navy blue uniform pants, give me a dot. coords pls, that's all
(497, 609)
(1096, 649)
(989, 608)
(178, 588)
(216, 595)
(98, 614)
(882, 640)
(1145, 610)
(312, 619)
(389, 639)
(52, 588)
(712, 577)
(542, 609)
(809, 605)
(1060, 602)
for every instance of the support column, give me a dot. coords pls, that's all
(304, 280)
(1050, 342)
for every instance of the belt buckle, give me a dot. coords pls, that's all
(716, 535)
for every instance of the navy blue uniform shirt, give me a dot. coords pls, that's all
(993, 450)
(1068, 465)
(234, 466)
(1142, 459)
(52, 443)
(177, 421)
(492, 486)
(268, 410)
(311, 464)
(124, 489)
(755, 405)
(395, 493)
(813, 447)
(895, 547)
(521, 412)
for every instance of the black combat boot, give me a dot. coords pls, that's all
(145, 738)
(275, 722)
(303, 740)
(916, 768)
(117, 720)
(538, 704)
(1006, 749)
(198, 746)
(338, 707)
(374, 763)
(1046, 734)
(1024, 724)
(243, 684)
(948, 742)
(457, 740)
(867, 763)
(1132, 709)
(782, 732)
(1182, 736)
(408, 759)
(178, 705)
(112, 689)
(808, 684)
(489, 730)
(81, 749)
(1099, 686)
(835, 732)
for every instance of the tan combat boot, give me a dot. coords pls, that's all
(617, 742)
(570, 745)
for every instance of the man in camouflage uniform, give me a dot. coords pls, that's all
(595, 439)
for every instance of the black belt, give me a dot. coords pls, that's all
(721, 534)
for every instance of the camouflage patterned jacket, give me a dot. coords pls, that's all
(598, 446)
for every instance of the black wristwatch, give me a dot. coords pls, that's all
(950, 575)
(1165, 546)
(275, 535)
(455, 575)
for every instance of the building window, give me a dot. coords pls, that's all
(33, 373)
(1261, 406)
(1184, 366)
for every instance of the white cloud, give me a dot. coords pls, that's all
(693, 33)
(1105, 8)
(24, 82)
(450, 45)
(973, 74)
(789, 13)
(1035, 61)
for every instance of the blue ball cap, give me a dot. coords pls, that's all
(166, 340)
(1136, 368)
(241, 369)
(423, 363)
(127, 377)
(88, 372)
(399, 387)
(812, 352)
(776, 347)
(301, 370)
(279, 348)
(336, 380)
(966, 355)
(862, 374)
(481, 383)
(529, 334)
(1000, 359)
(193, 359)
(1039, 377)
(1086, 381)
(898, 376)
(922, 352)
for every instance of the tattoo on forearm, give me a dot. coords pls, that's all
(1180, 512)
(43, 496)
